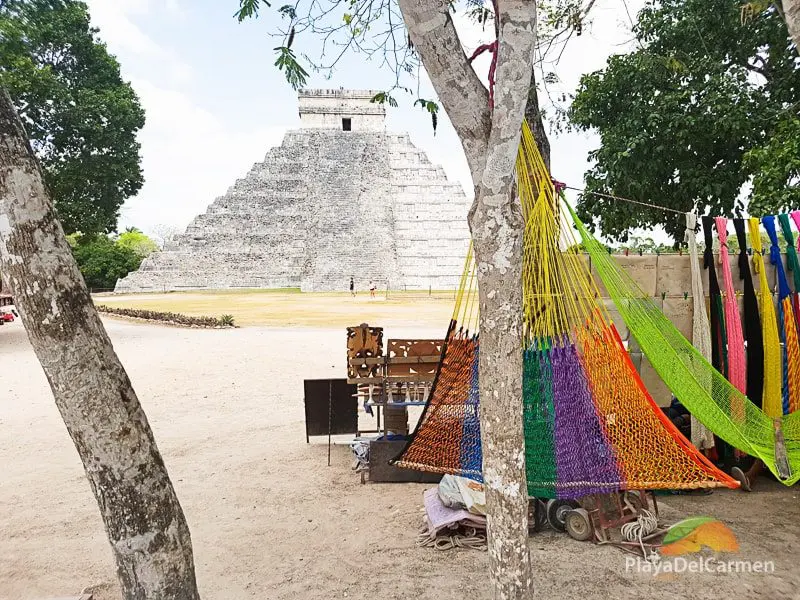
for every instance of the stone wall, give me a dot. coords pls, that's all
(667, 278)
(325, 109)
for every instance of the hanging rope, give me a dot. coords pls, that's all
(771, 398)
(702, 438)
(737, 367)
(628, 200)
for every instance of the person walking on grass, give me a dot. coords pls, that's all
(352, 287)
(371, 289)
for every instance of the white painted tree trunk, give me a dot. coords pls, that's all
(791, 13)
(490, 143)
(143, 520)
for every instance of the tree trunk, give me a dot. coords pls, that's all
(534, 116)
(791, 13)
(497, 231)
(491, 143)
(143, 519)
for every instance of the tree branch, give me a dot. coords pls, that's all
(461, 92)
(791, 14)
(763, 70)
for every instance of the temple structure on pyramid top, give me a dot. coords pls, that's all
(340, 197)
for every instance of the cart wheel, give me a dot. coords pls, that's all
(578, 525)
(557, 512)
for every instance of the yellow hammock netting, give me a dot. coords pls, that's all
(590, 424)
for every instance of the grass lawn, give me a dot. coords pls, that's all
(291, 308)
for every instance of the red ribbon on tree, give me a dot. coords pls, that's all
(493, 66)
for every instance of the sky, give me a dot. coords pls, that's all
(215, 103)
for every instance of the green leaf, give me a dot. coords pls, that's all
(683, 528)
(248, 9)
(384, 98)
(432, 108)
(102, 261)
(286, 61)
(287, 11)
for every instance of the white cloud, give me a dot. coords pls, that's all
(188, 155)
(189, 158)
(116, 21)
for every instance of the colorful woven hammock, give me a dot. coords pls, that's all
(776, 441)
(590, 424)
(786, 318)
(702, 438)
(772, 402)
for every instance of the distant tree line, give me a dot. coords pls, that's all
(81, 117)
(103, 259)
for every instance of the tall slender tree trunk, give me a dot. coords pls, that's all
(491, 141)
(791, 14)
(497, 230)
(143, 520)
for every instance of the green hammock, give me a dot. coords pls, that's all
(701, 389)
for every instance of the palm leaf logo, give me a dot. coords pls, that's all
(690, 535)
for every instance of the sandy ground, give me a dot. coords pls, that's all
(268, 518)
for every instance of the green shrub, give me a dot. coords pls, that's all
(168, 317)
(102, 261)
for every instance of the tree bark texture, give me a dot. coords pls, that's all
(143, 520)
(497, 230)
(491, 142)
(533, 114)
(791, 13)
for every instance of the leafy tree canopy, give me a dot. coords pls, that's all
(137, 241)
(708, 102)
(81, 116)
(102, 259)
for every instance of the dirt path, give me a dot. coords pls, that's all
(268, 518)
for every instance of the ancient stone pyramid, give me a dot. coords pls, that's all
(339, 197)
